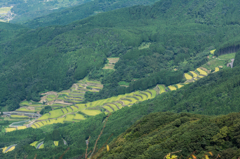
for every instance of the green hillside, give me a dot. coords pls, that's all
(94, 7)
(23, 10)
(157, 134)
(156, 44)
(219, 90)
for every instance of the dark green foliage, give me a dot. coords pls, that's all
(45, 110)
(237, 59)
(158, 134)
(71, 14)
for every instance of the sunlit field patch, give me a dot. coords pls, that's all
(172, 88)
(34, 143)
(10, 129)
(161, 88)
(194, 74)
(216, 69)
(179, 86)
(91, 112)
(56, 143)
(202, 72)
(212, 51)
(187, 76)
(79, 117)
(21, 127)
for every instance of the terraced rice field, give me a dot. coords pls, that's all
(179, 86)
(11, 149)
(202, 72)
(216, 69)
(34, 143)
(162, 89)
(41, 147)
(21, 127)
(4, 10)
(79, 117)
(10, 129)
(212, 51)
(19, 117)
(91, 112)
(187, 76)
(69, 117)
(56, 143)
(172, 88)
(25, 110)
(4, 149)
(194, 74)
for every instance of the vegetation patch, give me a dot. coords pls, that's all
(172, 88)
(91, 112)
(187, 76)
(202, 72)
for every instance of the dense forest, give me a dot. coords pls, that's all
(180, 33)
(71, 14)
(217, 94)
(157, 134)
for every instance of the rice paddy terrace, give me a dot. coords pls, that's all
(67, 106)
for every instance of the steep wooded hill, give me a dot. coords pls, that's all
(23, 10)
(157, 134)
(220, 91)
(151, 41)
(69, 15)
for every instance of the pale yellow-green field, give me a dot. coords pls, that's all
(56, 143)
(172, 88)
(19, 116)
(21, 127)
(4, 149)
(187, 76)
(212, 51)
(5, 10)
(79, 117)
(202, 72)
(34, 143)
(11, 149)
(179, 86)
(216, 69)
(91, 112)
(10, 129)
(41, 147)
(194, 74)
(161, 88)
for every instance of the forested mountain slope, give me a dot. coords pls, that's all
(69, 15)
(157, 134)
(156, 44)
(214, 95)
(24, 10)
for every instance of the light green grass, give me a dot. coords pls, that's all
(144, 97)
(79, 117)
(34, 143)
(113, 106)
(25, 110)
(219, 61)
(41, 147)
(108, 108)
(55, 113)
(154, 93)
(25, 103)
(5, 10)
(161, 89)
(56, 143)
(69, 117)
(119, 105)
(80, 106)
(19, 116)
(91, 112)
